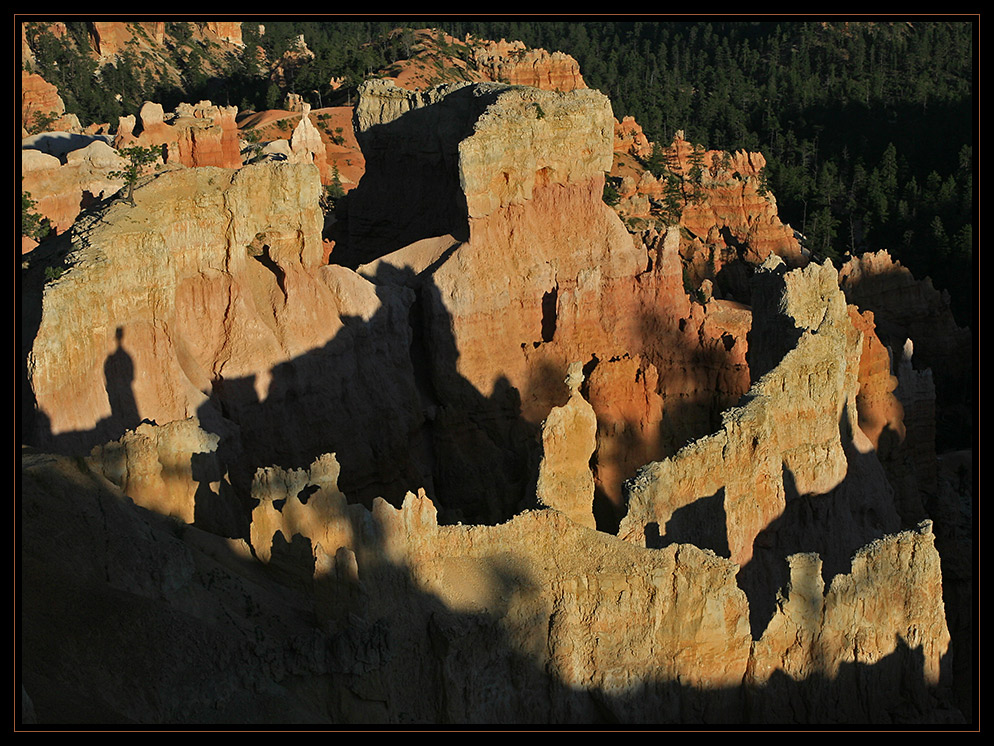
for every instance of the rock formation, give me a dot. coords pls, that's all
(40, 102)
(241, 328)
(629, 138)
(534, 621)
(326, 495)
(306, 145)
(545, 275)
(512, 62)
(569, 439)
(173, 470)
(229, 31)
(110, 37)
(802, 340)
(200, 135)
(63, 189)
(431, 61)
(909, 309)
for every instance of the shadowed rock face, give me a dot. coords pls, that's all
(207, 299)
(542, 274)
(216, 371)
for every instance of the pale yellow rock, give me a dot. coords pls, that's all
(790, 421)
(569, 439)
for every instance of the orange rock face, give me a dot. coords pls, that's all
(881, 416)
(109, 37)
(38, 99)
(197, 135)
(732, 212)
(547, 276)
(511, 62)
(629, 138)
(230, 31)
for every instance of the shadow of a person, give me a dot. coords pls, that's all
(119, 376)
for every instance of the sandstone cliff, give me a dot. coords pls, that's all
(544, 274)
(241, 327)
(331, 496)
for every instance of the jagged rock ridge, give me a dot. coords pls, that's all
(257, 362)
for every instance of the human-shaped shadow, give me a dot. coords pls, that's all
(119, 378)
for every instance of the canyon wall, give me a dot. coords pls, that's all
(539, 273)
(326, 495)
(208, 299)
(383, 616)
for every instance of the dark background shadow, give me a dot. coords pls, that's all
(410, 189)
(132, 619)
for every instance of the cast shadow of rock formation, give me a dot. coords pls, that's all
(201, 633)
(370, 397)
(834, 525)
(410, 189)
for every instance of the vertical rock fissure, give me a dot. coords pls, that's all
(549, 303)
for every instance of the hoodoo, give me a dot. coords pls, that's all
(475, 441)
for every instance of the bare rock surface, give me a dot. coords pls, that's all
(194, 135)
(307, 493)
(239, 325)
(384, 616)
(63, 190)
(569, 439)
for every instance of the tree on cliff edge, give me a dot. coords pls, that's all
(139, 158)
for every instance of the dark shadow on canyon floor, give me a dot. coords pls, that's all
(133, 619)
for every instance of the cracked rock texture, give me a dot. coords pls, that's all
(306, 494)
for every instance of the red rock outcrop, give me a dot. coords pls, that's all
(229, 31)
(110, 37)
(194, 135)
(883, 613)
(430, 622)
(307, 146)
(881, 416)
(931, 355)
(39, 99)
(629, 138)
(729, 218)
(172, 469)
(512, 62)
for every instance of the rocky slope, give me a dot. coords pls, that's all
(491, 464)
(434, 57)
